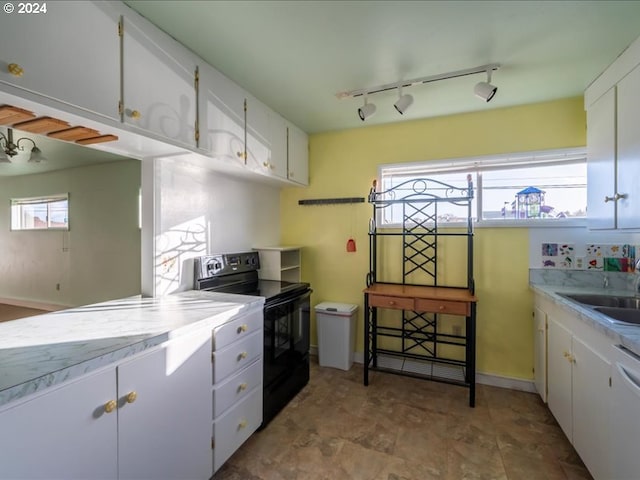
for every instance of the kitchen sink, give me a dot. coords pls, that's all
(615, 301)
(617, 308)
(626, 315)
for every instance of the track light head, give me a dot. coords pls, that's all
(367, 110)
(403, 103)
(484, 90)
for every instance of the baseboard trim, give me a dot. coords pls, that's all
(49, 307)
(482, 378)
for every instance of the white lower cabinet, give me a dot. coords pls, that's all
(64, 432)
(579, 387)
(163, 412)
(145, 418)
(237, 384)
(540, 351)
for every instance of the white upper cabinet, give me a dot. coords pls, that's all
(601, 157)
(298, 156)
(279, 146)
(612, 102)
(158, 82)
(70, 54)
(258, 126)
(222, 133)
(628, 158)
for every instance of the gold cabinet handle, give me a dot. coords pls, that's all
(272, 167)
(242, 424)
(242, 356)
(242, 387)
(265, 164)
(135, 114)
(15, 69)
(441, 307)
(131, 397)
(565, 354)
(242, 155)
(391, 302)
(110, 406)
(242, 328)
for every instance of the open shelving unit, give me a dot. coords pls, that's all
(423, 340)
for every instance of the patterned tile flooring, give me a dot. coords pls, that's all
(400, 428)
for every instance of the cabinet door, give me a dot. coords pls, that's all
(166, 431)
(222, 116)
(601, 151)
(540, 352)
(158, 91)
(62, 433)
(71, 54)
(298, 156)
(628, 129)
(258, 135)
(279, 147)
(559, 374)
(591, 399)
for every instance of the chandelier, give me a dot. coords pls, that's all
(10, 148)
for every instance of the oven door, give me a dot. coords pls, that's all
(286, 335)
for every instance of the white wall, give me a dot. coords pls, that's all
(199, 211)
(97, 259)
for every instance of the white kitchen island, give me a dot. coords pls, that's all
(120, 389)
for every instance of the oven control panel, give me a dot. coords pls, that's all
(224, 264)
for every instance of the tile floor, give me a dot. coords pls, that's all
(400, 428)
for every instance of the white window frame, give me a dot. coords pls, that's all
(475, 165)
(15, 205)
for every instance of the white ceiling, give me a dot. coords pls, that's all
(296, 55)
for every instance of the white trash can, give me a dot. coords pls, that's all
(336, 324)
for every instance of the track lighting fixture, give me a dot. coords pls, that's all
(9, 148)
(403, 103)
(485, 90)
(367, 110)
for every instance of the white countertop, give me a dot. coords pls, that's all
(41, 351)
(626, 335)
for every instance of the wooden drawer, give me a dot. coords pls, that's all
(236, 425)
(236, 387)
(236, 329)
(443, 306)
(382, 301)
(237, 355)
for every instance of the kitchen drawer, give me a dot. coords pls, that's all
(236, 356)
(237, 329)
(383, 301)
(443, 306)
(235, 426)
(236, 387)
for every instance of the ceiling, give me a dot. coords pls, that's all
(60, 155)
(296, 55)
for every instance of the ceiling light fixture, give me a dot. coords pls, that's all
(367, 110)
(484, 90)
(404, 102)
(10, 149)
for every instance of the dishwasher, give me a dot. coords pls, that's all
(625, 420)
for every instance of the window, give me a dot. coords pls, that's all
(530, 188)
(41, 213)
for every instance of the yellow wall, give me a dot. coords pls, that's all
(343, 164)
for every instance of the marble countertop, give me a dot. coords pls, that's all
(623, 334)
(41, 351)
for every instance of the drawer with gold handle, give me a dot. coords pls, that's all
(383, 301)
(443, 306)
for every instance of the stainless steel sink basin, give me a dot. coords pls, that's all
(621, 302)
(626, 315)
(618, 309)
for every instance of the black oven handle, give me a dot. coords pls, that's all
(297, 297)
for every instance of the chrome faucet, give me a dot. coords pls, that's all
(636, 284)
